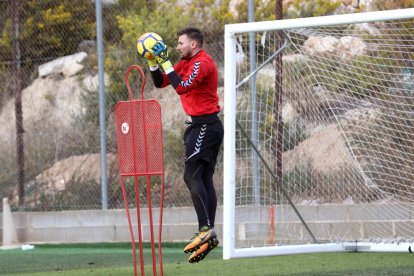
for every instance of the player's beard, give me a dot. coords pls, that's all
(185, 54)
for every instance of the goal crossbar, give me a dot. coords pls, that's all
(319, 21)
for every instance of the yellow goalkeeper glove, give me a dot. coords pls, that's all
(152, 62)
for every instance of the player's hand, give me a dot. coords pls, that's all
(152, 62)
(160, 52)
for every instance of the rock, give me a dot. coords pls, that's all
(320, 44)
(345, 48)
(67, 65)
(90, 83)
(71, 70)
(82, 167)
(325, 150)
(350, 46)
(289, 113)
(367, 4)
(293, 58)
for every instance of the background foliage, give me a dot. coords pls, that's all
(49, 29)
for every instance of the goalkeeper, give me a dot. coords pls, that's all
(195, 80)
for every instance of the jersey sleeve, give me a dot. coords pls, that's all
(190, 78)
(160, 79)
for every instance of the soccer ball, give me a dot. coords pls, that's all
(146, 42)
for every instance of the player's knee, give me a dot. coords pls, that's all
(187, 179)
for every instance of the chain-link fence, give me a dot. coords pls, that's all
(52, 161)
(49, 102)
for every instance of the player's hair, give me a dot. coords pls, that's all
(193, 33)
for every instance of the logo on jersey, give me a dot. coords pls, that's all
(193, 75)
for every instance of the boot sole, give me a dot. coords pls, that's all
(212, 243)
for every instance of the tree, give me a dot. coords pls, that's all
(35, 31)
(48, 29)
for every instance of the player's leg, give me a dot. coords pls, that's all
(193, 177)
(211, 194)
(205, 248)
(215, 133)
(206, 138)
(196, 138)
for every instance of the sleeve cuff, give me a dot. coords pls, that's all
(153, 68)
(174, 78)
(169, 70)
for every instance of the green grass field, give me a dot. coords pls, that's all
(116, 259)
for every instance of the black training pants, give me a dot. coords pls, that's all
(202, 142)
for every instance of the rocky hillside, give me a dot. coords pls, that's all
(54, 100)
(54, 103)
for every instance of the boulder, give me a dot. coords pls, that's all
(350, 46)
(67, 65)
(320, 45)
(345, 48)
(78, 167)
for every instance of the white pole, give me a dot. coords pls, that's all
(229, 153)
(321, 21)
(401, 247)
(253, 96)
(9, 231)
(102, 103)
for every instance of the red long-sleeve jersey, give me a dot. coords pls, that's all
(198, 85)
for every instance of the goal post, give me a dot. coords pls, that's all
(346, 128)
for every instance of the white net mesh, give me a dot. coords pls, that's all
(345, 137)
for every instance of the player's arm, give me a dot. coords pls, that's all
(190, 78)
(157, 76)
(161, 55)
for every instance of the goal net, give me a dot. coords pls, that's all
(319, 135)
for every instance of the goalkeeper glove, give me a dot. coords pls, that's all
(152, 63)
(161, 55)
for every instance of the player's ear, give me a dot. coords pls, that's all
(194, 44)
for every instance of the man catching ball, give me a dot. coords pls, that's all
(195, 80)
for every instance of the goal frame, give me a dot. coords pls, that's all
(229, 153)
